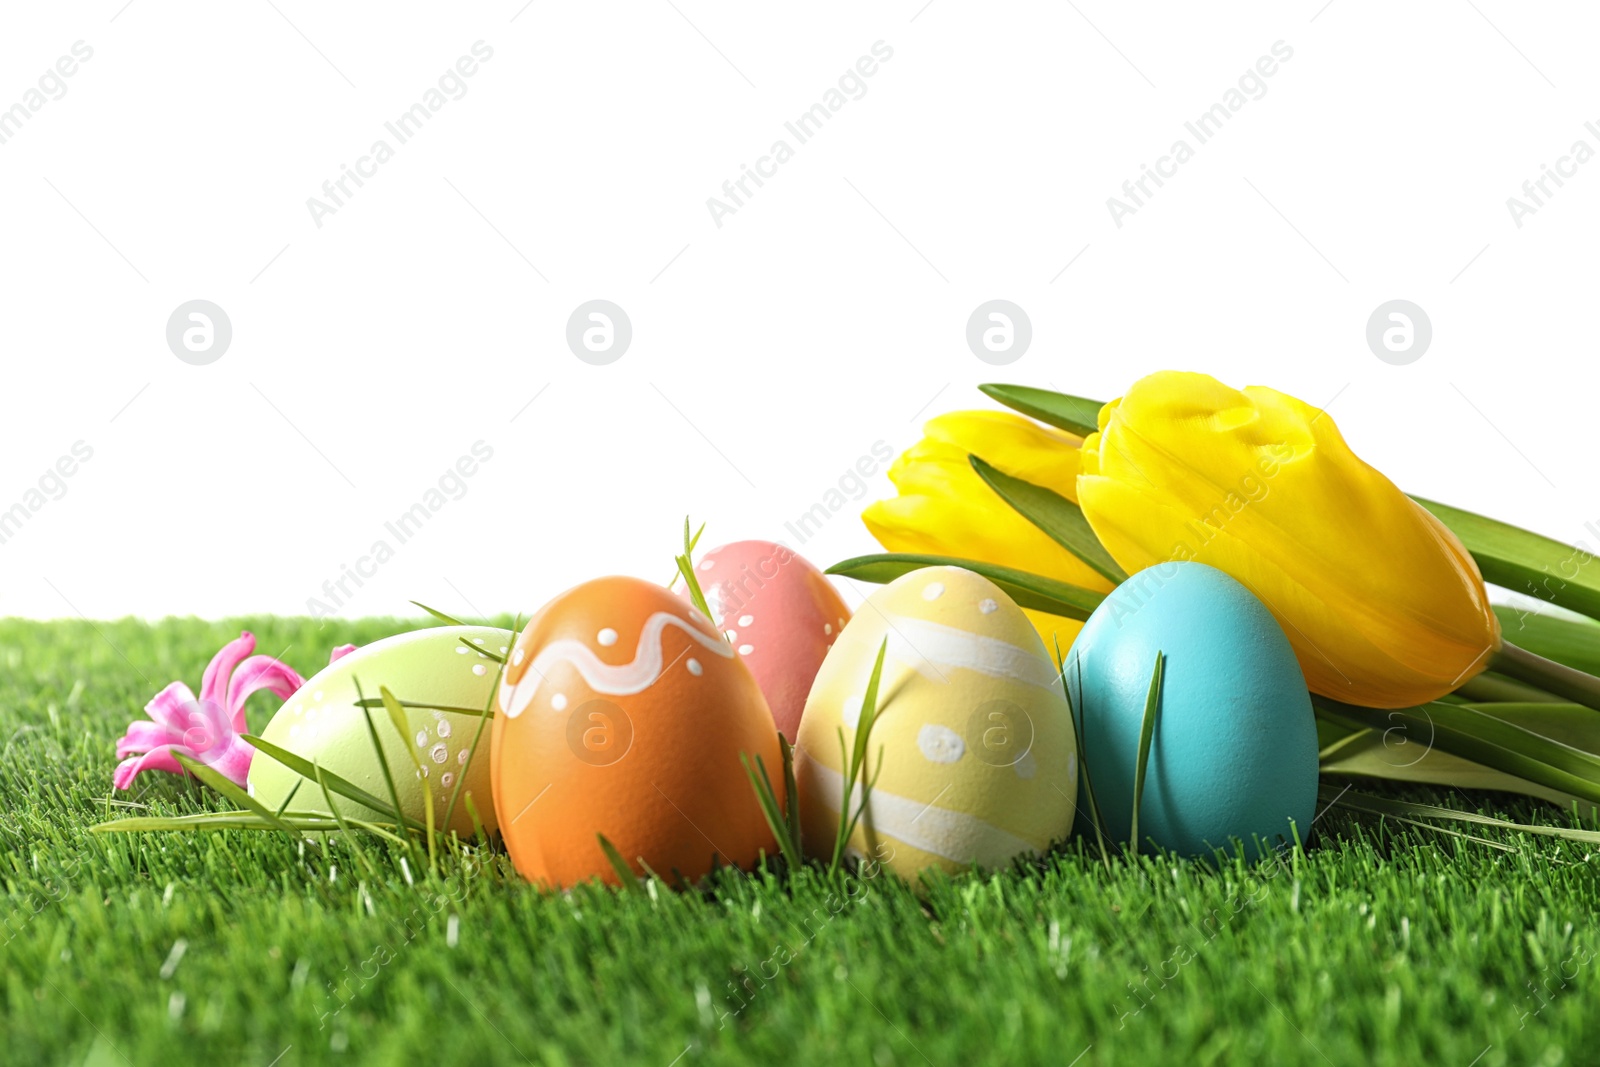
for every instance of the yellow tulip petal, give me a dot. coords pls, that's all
(1383, 605)
(1019, 446)
(945, 509)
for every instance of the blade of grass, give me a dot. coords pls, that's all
(625, 874)
(286, 800)
(697, 596)
(478, 832)
(441, 616)
(381, 829)
(864, 811)
(417, 705)
(216, 820)
(344, 787)
(402, 726)
(771, 809)
(383, 758)
(853, 759)
(1147, 729)
(685, 564)
(482, 650)
(791, 794)
(218, 781)
(1083, 763)
(477, 737)
(344, 827)
(688, 548)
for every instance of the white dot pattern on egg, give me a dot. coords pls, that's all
(321, 723)
(940, 744)
(777, 612)
(694, 667)
(955, 645)
(607, 637)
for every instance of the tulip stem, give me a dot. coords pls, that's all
(1547, 674)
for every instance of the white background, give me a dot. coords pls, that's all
(768, 355)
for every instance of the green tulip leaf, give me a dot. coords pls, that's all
(1059, 518)
(1491, 687)
(1511, 738)
(1074, 414)
(1408, 812)
(1573, 642)
(1365, 754)
(1525, 562)
(1028, 590)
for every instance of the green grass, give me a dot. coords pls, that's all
(1377, 944)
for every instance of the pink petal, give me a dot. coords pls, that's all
(255, 674)
(157, 760)
(171, 705)
(209, 730)
(234, 761)
(143, 736)
(214, 686)
(341, 652)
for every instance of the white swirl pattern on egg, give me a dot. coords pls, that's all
(625, 679)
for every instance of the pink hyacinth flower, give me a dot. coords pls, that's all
(207, 729)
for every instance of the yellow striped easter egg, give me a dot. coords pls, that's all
(979, 760)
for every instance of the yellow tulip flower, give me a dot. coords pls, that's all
(944, 508)
(1383, 605)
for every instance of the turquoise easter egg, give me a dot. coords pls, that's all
(1234, 751)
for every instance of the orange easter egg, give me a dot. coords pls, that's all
(623, 712)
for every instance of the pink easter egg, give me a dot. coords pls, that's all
(780, 613)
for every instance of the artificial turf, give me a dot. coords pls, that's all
(1378, 943)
